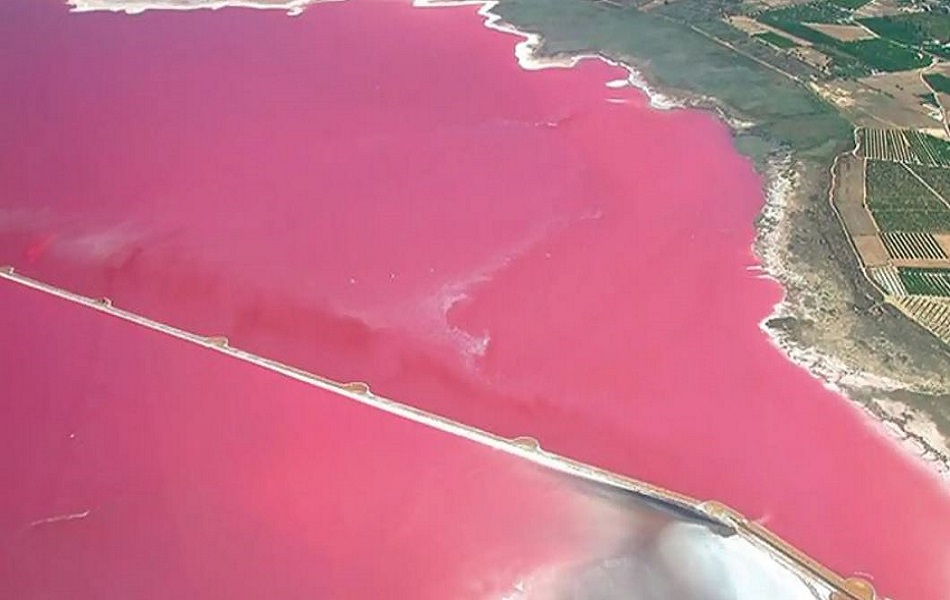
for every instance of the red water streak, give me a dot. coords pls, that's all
(319, 189)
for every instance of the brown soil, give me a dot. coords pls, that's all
(886, 100)
(944, 240)
(921, 262)
(857, 220)
(871, 250)
(849, 197)
(845, 33)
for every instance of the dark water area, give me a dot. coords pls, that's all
(379, 193)
(148, 467)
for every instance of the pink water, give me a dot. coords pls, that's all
(380, 193)
(147, 467)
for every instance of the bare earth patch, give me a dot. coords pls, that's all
(845, 33)
(887, 100)
(747, 24)
(849, 200)
(944, 240)
(871, 249)
(924, 263)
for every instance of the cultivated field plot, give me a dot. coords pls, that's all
(929, 150)
(939, 82)
(899, 201)
(928, 30)
(907, 146)
(925, 282)
(884, 144)
(938, 179)
(779, 41)
(911, 246)
(854, 50)
(932, 313)
(889, 280)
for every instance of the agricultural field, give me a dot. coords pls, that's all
(886, 144)
(884, 55)
(939, 82)
(912, 246)
(896, 219)
(932, 313)
(812, 12)
(907, 146)
(929, 150)
(779, 41)
(850, 4)
(938, 179)
(900, 202)
(928, 30)
(854, 52)
(892, 185)
(929, 100)
(925, 282)
(889, 280)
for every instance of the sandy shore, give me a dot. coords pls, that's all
(912, 429)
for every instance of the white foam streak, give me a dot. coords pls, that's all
(61, 518)
(134, 7)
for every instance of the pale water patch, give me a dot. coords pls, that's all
(684, 561)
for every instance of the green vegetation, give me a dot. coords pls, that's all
(900, 202)
(779, 41)
(813, 12)
(851, 59)
(797, 29)
(926, 282)
(892, 186)
(680, 57)
(911, 220)
(937, 178)
(884, 55)
(928, 149)
(850, 4)
(929, 100)
(927, 30)
(939, 83)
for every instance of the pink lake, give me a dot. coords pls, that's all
(380, 193)
(148, 467)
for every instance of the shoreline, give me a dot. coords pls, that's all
(781, 176)
(834, 374)
(711, 513)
